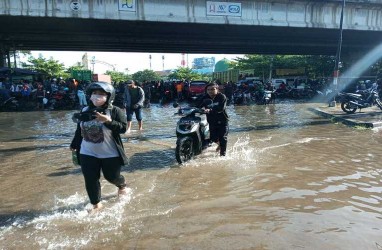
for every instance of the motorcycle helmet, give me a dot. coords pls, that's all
(104, 86)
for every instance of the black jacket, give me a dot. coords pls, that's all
(218, 115)
(117, 127)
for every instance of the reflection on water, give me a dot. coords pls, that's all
(290, 180)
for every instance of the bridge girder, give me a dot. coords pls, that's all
(74, 34)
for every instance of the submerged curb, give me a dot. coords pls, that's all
(367, 119)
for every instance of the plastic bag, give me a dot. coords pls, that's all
(75, 158)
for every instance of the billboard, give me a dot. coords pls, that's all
(82, 75)
(290, 72)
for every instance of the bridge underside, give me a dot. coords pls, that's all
(70, 34)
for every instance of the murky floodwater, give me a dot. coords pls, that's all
(291, 180)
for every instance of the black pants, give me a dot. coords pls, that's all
(91, 169)
(220, 134)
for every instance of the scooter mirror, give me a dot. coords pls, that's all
(175, 104)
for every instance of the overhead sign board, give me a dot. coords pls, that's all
(290, 72)
(223, 8)
(127, 5)
(75, 5)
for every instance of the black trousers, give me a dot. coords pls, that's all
(91, 169)
(220, 134)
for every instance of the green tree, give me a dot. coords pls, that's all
(259, 63)
(118, 76)
(49, 67)
(376, 69)
(315, 66)
(145, 75)
(319, 66)
(184, 73)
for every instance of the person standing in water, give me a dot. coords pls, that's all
(214, 104)
(98, 143)
(134, 98)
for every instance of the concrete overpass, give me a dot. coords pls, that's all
(190, 26)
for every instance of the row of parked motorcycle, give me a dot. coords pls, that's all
(265, 97)
(58, 100)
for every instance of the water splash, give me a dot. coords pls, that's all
(68, 212)
(242, 154)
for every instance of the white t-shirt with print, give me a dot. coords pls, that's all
(97, 140)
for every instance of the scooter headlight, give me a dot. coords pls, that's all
(186, 125)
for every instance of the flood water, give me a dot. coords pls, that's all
(290, 180)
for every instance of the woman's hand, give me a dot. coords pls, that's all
(207, 111)
(102, 118)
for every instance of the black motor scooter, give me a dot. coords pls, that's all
(192, 132)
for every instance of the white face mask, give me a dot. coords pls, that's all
(98, 100)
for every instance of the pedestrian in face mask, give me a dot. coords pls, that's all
(98, 143)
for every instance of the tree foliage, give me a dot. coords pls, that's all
(319, 66)
(117, 76)
(49, 67)
(315, 66)
(145, 75)
(376, 69)
(184, 73)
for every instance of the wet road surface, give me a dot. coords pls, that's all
(290, 180)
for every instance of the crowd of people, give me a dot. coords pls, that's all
(57, 93)
(38, 94)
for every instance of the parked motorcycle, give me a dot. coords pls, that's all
(192, 133)
(61, 100)
(359, 100)
(10, 104)
(238, 97)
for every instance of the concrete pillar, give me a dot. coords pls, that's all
(8, 58)
(2, 56)
(2, 59)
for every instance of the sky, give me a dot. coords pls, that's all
(130, 62)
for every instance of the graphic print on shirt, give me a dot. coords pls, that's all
(92, 132)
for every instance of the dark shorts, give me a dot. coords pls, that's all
(130, 112)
